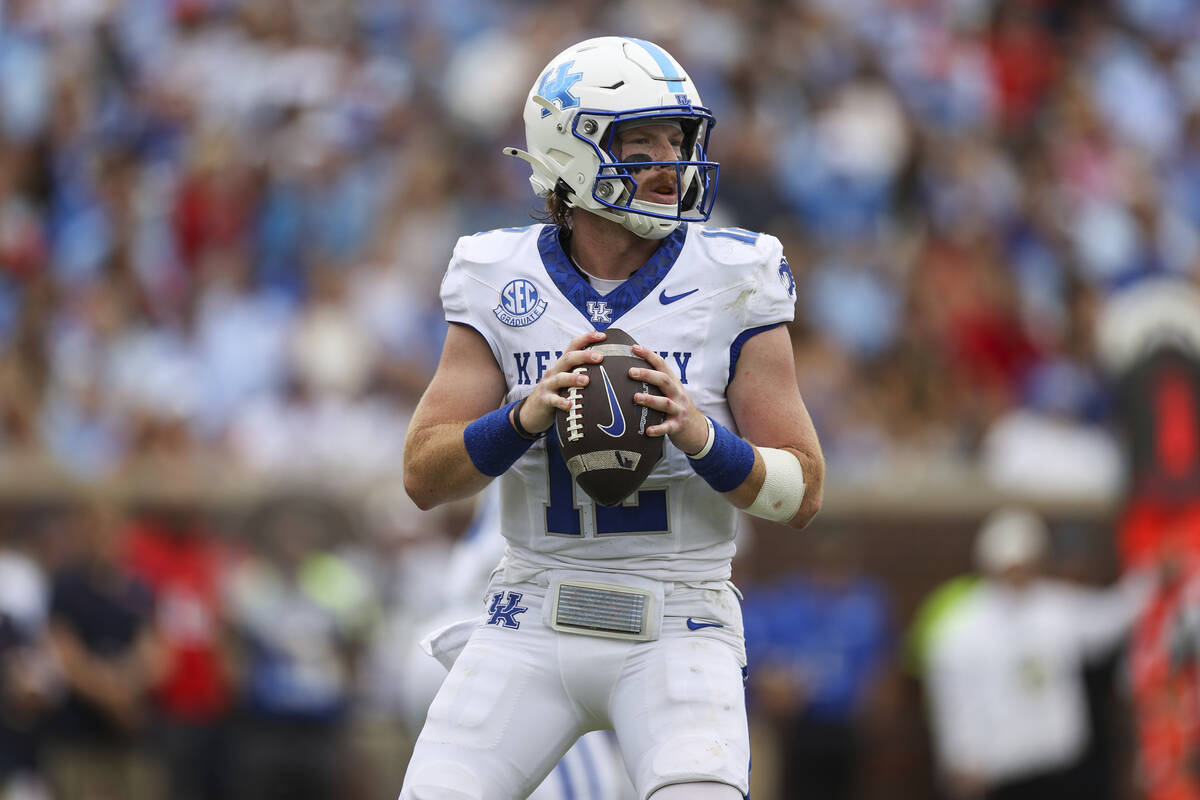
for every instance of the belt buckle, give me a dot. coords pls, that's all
(593, 608)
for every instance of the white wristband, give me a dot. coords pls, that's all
(712, 437)
(782, 491)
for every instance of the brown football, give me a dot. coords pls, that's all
(603, 437)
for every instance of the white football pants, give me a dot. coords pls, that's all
(518, 697)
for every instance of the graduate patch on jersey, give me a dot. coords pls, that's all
(520, 304)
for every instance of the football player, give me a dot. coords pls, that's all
(619, 618)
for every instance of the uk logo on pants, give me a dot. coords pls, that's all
(503, 611)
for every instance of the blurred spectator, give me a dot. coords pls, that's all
(1051, 446)
(1165, 676)
(1149, 337)
(1004, 668)
(1149, 343)
(819, 644)
(29, 678)
(302, 616)
(102, 634)
(184, 563)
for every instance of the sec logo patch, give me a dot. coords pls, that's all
(520, 304)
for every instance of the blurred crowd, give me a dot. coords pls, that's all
(162, 652)
(223, 222)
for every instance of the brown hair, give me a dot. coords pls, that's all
(556, 212)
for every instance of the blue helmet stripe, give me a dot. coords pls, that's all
(661, 58)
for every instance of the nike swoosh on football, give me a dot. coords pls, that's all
(667, 299)
(695, 626)
(616, 427)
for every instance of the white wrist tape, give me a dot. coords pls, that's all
(782, 491)
(712, 437)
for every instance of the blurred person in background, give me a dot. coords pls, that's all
(301, 616)
(1149, 344)
(819, 641)
(30, 681)
(102, 634)
(184, 561)
(1164, 672)
(1004, 668)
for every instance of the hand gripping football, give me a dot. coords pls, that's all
(603, 437)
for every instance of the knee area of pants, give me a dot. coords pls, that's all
(443, 780)
(697, 791)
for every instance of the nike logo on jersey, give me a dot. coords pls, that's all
(667, 299)
(696, 625)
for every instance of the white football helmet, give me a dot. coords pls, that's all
(573, 111)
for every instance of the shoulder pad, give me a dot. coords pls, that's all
(737, 246)
(489, 247)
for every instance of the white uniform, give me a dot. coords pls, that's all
(521, 692)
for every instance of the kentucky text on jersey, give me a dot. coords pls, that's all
(531, 366)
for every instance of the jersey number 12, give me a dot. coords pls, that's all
(647, 515)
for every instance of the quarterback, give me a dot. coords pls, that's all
(620, 618)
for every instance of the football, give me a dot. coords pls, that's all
(603, 436)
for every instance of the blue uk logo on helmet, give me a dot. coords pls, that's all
(556, 86)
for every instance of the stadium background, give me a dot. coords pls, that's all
(223, 225)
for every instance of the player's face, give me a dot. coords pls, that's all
(659, 143)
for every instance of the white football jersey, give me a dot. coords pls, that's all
(702, 294)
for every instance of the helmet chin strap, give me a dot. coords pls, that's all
(648, 227)
(639, 224)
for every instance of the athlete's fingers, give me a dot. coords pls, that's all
(572, 358)
(584, 340)
(654, 431)
(655, 401)
(563, 382)
(663, 380)
(659, 403)
(555, 383)
(654, 359)
(683, 422)
(550, 393)
(547, 395)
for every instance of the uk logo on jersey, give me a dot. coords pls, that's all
(520, 304)
(599, 311)
(556, 85)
